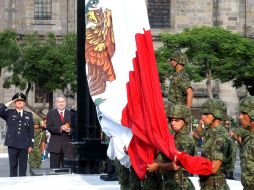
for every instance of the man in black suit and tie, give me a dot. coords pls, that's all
(20, 133)
(58, 124)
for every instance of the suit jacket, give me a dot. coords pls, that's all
(20, 131)
(58, 139)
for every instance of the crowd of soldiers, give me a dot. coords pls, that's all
(219, 141)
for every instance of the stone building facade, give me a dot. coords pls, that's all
(176, 15)
(59, 17)
(43, 16)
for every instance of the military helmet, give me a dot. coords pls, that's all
(36, 121)
(168, 106)
(180, 57)
(215, 107)
(19, 96)
(247, 106)
(181, 112)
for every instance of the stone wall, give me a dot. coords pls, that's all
(188, 13)
(2, 14)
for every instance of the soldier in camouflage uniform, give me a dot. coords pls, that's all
(135, 183)
(247, 151)
(180, 90)
(123, 174)
(239, 135)
(149, 183)
(216, 145)
(230, 164)
(39, 144)
(174, 176)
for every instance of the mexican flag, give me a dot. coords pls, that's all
(124, 83)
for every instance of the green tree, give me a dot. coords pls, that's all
(9, 51)
(48, 64)
(214, 53)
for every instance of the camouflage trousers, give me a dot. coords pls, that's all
(123, 174)
(129, 180)
(222, 187)
(151, 182)
(135, 183)
(35, 159)
(219, 187)
(183, 184)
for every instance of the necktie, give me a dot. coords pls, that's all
(61, 116)
(20, 114)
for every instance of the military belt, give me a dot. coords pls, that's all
(180, 175)
(214, 182)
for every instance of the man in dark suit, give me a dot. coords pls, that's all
(20, 133)
(58, 124)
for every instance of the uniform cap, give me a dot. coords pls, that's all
(19, 96)
(215, 107)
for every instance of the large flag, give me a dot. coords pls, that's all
(124, 85)
(110, 47)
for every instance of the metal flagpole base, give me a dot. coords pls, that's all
(84, 157)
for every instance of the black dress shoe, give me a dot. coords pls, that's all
(109, 177)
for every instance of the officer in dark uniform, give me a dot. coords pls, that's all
(20, 133)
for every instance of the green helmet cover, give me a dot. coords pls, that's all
(247, 106)
(180, 57)
(168, 106)
(181, 112)
(215, 107)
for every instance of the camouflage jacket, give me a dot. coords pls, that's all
(179, 83)
(179, 179)
(241, 132)
(216, 147)
(39, 137)
(232, 150)
(247, 162)
(184, 142)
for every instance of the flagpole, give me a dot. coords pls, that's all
(84, 154)
(82, 86)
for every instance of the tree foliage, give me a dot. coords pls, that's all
(214, 53)
(9, 50)
(47, 63)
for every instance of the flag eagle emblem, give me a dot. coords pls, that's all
(99, 47)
